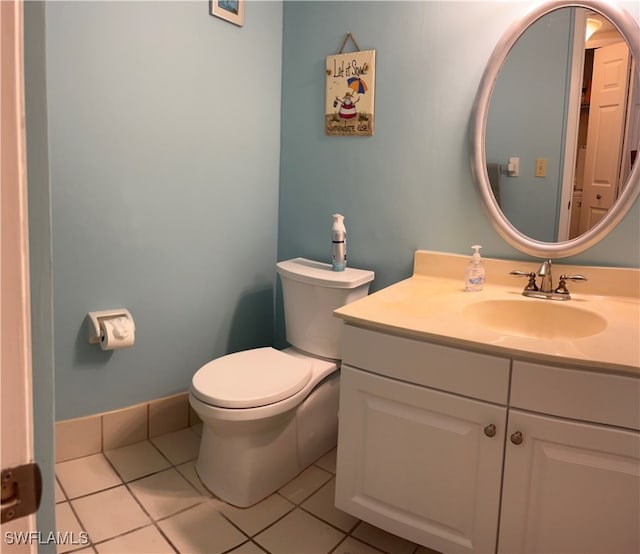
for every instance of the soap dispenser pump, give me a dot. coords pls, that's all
(474, 275)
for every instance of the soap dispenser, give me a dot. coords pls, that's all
(474, 275)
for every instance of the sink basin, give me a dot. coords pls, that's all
(542, 319)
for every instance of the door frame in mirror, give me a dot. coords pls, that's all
(630, 31)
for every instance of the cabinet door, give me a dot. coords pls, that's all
(570, 487)
(418, 463)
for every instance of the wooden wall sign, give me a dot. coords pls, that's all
(349, 97)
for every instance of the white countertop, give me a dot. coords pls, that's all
(431, 305)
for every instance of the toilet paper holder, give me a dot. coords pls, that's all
(94, 318)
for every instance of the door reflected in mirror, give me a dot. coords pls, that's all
(567, 108)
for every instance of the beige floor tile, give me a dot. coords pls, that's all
(193, 521)
(147, 540)
(353, 546)
(137, 460)
(179, 446)
(305, 484)
(201, 530)
(299, 533)
(188, 470)
(68, 526)
(328, 461)
(322, 505)
(109, 513)
(165, 493)
(383, 540)
(425, 550)
(86, 475)
(254, 519)
(60, 497)
(248, 548)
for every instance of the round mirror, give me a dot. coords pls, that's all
(556, 127)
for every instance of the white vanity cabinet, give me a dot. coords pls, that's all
(468, 452)
(569, 487)
(422, 463)
(571, 483)
(418, 463)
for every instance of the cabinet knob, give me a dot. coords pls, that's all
(516, 438)
(490, 430)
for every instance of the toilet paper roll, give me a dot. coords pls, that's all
(116, 333)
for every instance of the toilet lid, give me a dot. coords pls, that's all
(251, 378)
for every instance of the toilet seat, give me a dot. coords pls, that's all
(251, 378)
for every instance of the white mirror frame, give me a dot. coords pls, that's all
(629, 29)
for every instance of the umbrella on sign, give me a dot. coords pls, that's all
(356, 84)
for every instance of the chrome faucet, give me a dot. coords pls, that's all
(546, 280)
(545, 290)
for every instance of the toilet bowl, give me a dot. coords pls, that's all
(268, 414)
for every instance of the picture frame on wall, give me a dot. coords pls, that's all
(230, 10)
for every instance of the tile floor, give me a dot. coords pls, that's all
(146, 497)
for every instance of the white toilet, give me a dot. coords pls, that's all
(269, 414)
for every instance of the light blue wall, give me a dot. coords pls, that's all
(164, 130)
(164, 134)
(410, 185)
(526, 120)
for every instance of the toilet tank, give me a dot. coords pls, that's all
(311, 291)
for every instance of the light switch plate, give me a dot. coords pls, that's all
(541, 167)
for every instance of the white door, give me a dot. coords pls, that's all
(417, 462)
(15, 372)
(632, 132)
(605, 133)
(570, 487)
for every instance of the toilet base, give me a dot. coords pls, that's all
(243, 462)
